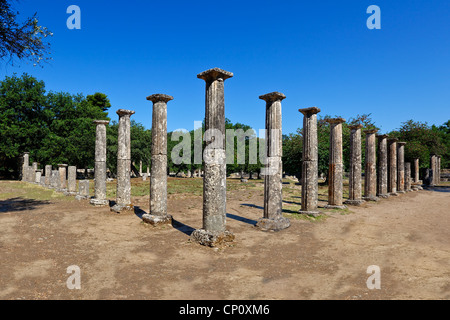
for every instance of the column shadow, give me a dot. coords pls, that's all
(21, 204)
(187, 230)
(242, 219)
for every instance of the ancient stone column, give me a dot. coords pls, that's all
(83, 190)
(62, 168)
(382, 167)
(54, 179)
(158, 180)
(336, 168)
(48, 175)
(25, 165)
(416, 170)
(408, 177)
(38, 175)
(100, 165)
(123, 194)
(438, 175)
(354, 197)
(32, 172)
(401, 167)
(71, 181)
(273, 199)
(214, 180)
(310, 186)
(392, 169)
(433, 168)
(370, 171)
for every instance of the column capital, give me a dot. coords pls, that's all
(273, 96)
(392, 140)
(355, 126)
(63, 165)
(159, 97)
(309, 111)
(335, 120)
(370, 131)
(401, 144)
(382, 136)
(123, 112)
(103, 122)
(215, 74)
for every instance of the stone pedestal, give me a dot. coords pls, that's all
(355, 192)
(310, 187)
(273, 199)
(392, 169)
(401, 167)
(370, 176)
(123, 194)
(99, 199)
(158, 179)
(382, 166)
(83, 190)
(336, 168)
(214, 181)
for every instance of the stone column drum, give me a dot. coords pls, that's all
(336, 168)
(408, 177)
(83, 190)
(370, 171)
(273, 198)
(382, 167)
(48, 175)
(100, 165)
(416, 170)
(62, 168)
(158, 179)
(401, 167)
(310, 187)
(392, 170)
(25, 165)
(354, 197)
(123, 194)
(214, 181)
(71, 181)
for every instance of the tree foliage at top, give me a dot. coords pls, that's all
(22, 40)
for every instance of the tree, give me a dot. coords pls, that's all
(24, 41)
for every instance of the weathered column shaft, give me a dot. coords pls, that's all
(48, 175)
(72, 180)
(62, 168)
(382, 167)
(392, 172)
(401, 167)
(370, 172)
(416, 170)
(408, 176)
(355, 192)
(100, 164)
(336, 167)
(123, 194)
(25, 165)
(273, 172)
(158, 179)
(310, 162)
(214, 180)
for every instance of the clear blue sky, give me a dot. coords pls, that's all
(318, 53)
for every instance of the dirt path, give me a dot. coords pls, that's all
(120, 258)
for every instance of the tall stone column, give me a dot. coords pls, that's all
(48, 175)
(354, 195)
(392, 170)
(336, 167)
(310, 186)
(370, 171)
(100, 165)
(32, 172)
(433, 168)
(214, 180)
(401, 167)
(273, 172)
(382, 167)
(25, 165)
(158, 179)
(62, 168)
(438, 175)
(416, 170)
(123, 194)
(408, 177)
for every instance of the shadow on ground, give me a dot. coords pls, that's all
(21, 204)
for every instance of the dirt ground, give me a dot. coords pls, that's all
(42, 233)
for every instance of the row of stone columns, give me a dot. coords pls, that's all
(62, 180)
